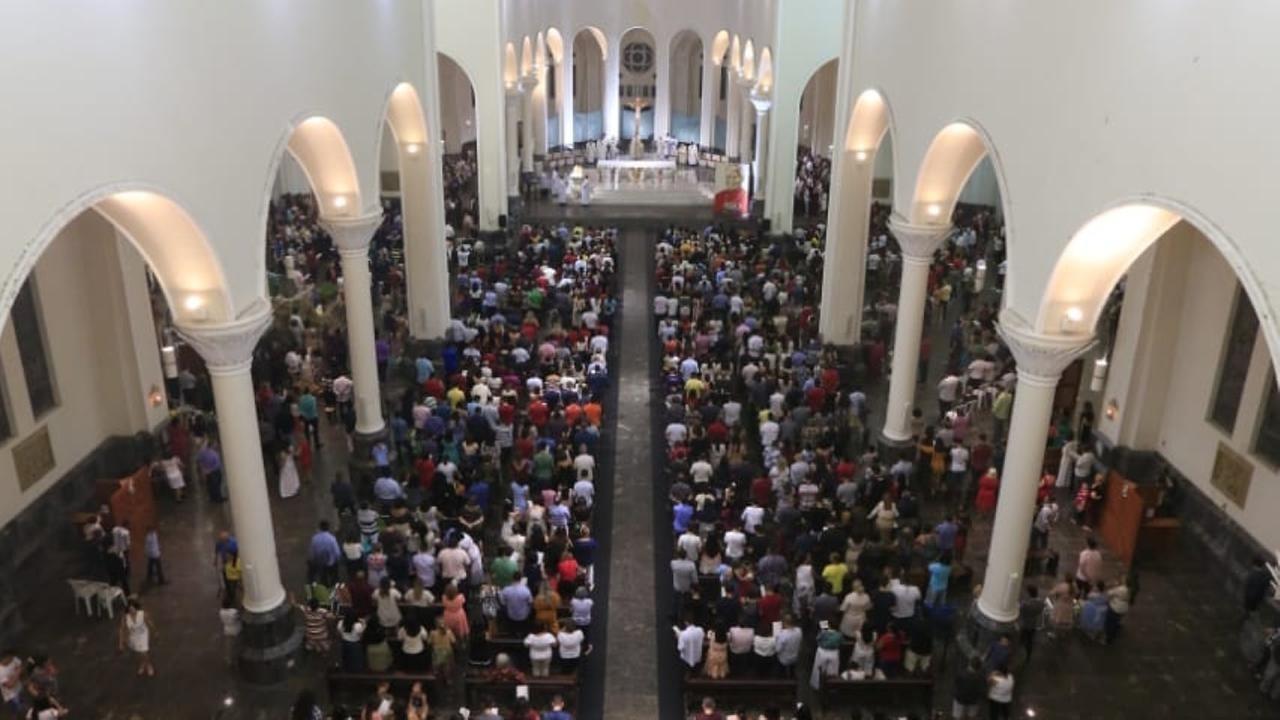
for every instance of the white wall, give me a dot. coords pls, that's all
(92, 294)
(1201, 312)
(1088, 104)
(194, 99)
(457, 111)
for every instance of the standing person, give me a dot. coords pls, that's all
(1256, 585)
(229, 616)
(1088, 566)
(939, 579)
(323, 556)
(1117, 607)
(289, 481)
(1030, 613)
(970, 686)
(569, 640)
(442, 642)
(988, 492)
(689, 641)
(455, 614)
(540, 643)
(351, 631)
(136, 631)
(1000, 693)
(232, 574)
(172, 469)
(826, 658)
(152, 545)
(209, 463)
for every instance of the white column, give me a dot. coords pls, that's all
(352, 237)
(526, 126)
(612, 100)
(918, 243)
(1041, 360)
(512, 110)
(227, 349)
(564, 88)
(662, 92)
(746, 139)
(422, 215)
(758, 155)
(538, 100)
(707, 118)
(733, 116)
(844, 270)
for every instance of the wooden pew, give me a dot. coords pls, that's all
(731, 692)
(482, 691)
(894, 695)
(343, 683)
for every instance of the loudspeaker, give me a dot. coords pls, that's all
(502, 221)
(766, 225)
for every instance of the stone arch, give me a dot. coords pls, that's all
(686, 50)
(176, 249)
(1103, 249)
(953, 155)
(589, 101)
(321, 152)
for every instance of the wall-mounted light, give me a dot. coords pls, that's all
(934, 210)
(413, 148)
(155, 397)
(860, 156)
(169, 361)
(1099, 379)
(339, 201)
(1112, 409)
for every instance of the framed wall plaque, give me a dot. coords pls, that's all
(1232, 474)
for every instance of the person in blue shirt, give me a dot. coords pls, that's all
(557, 711)
(323, 556)
(381, 456)
(682, 513)
(387, 490)
(939, 577)
(945, 534)
(423, 369)
(478, 492)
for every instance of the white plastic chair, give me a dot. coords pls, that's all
(84, 592)
(107, 596)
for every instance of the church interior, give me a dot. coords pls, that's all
(635, 359)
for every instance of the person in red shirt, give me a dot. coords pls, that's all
(538, 413)
(717, 431)
(426, 469)
(770, 607)
(889, 651)
(434, 387)
(762, 491)
(815, 397)
(980, 455)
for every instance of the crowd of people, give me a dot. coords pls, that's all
(477, 528)
(813, 183)
(791, 533)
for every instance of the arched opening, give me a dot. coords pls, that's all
(412, 203)
(720, 87)
(458, 142)
(686, 86)
(85, 314)
(555, 90)
(814, 146)
(858, 238)
(590, 51)
(1186, 360)
(637, 88)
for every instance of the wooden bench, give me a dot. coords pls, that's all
(341, 680)
(730, 692)
(482, 691)
(893, 695)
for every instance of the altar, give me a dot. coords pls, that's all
(637, 171)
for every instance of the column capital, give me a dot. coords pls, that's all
(352, 235)
(227, 347)
(918, 242)
(1041, 357)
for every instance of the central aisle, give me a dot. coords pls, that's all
(631, 685)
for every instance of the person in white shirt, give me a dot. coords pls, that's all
(948, 388)
(905, 598)
(569, 640)
(700, 471)
(735, 543)
(769, 432)
(752, 519)
(689, 641)
(690, 542)
(732, 413)
(540, 644)
(584, 465)
(676, 432)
